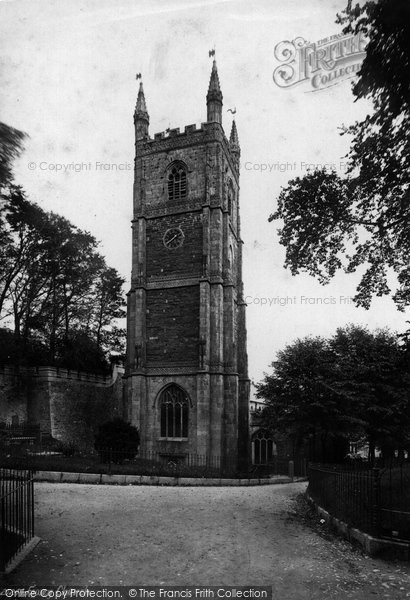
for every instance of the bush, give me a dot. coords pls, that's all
(17, 351)
(116, 441)
(66, 448)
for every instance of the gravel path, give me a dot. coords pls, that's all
(147, 535)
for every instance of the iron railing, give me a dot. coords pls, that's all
(58, 456)
(16, 512)
(167, 463)
(374, 500)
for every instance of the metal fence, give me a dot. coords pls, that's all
(167, 462)
(16, 512)
(66, 457)
(376, 501)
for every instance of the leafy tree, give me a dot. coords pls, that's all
(109, 301)
(301, 399)
(363, 219)
(11, 145)
(354, 384)
(14, 351)
(113, 343)
(371, 371)
(54, 283)
(80, 352)
(22, 251)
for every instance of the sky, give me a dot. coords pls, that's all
(68, 79)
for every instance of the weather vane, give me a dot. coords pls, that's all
(232, 111)
(211, 52)
(138, 76)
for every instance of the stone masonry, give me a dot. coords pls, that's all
(186, 314)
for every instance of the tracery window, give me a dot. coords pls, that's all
(177, 183)
(173, 404)
(263, 448)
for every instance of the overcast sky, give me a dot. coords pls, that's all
(67, 75)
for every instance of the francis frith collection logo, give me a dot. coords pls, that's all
(327, 62)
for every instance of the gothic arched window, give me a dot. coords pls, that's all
(177, 184)
(173, 403)
(263, 448)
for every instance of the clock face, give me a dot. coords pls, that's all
(173, 238)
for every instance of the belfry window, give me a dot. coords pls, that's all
(173, 404)
(177, 187)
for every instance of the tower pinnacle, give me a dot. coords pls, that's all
(234, 144)
(233, 138)
(214, 97)
(141, 116)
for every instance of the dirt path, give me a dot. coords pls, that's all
(196, 536)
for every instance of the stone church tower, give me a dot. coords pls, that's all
(186, 379)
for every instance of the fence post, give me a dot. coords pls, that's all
(2, 535)
(109, 461)
(31, 473)
(291, 469)
(376, 501)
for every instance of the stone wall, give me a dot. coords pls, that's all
(67, 405)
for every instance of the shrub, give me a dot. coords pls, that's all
(67, 449)
(117, 440)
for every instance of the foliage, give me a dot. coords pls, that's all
(11, 145)
(14, 350)
(351, 385)
(67, 449)
(117, 436)
(55, 286)
(80, 352)
(363, 219)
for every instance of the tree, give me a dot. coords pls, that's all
(79, 352)
(301, 399)
(54, 284)
(109, 302)
(351, 385)
(371, 371)
(11, 145)
(22, 249)
(363, 219)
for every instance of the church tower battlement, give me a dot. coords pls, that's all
(186, 378)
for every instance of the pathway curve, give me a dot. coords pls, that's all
(147, 535)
